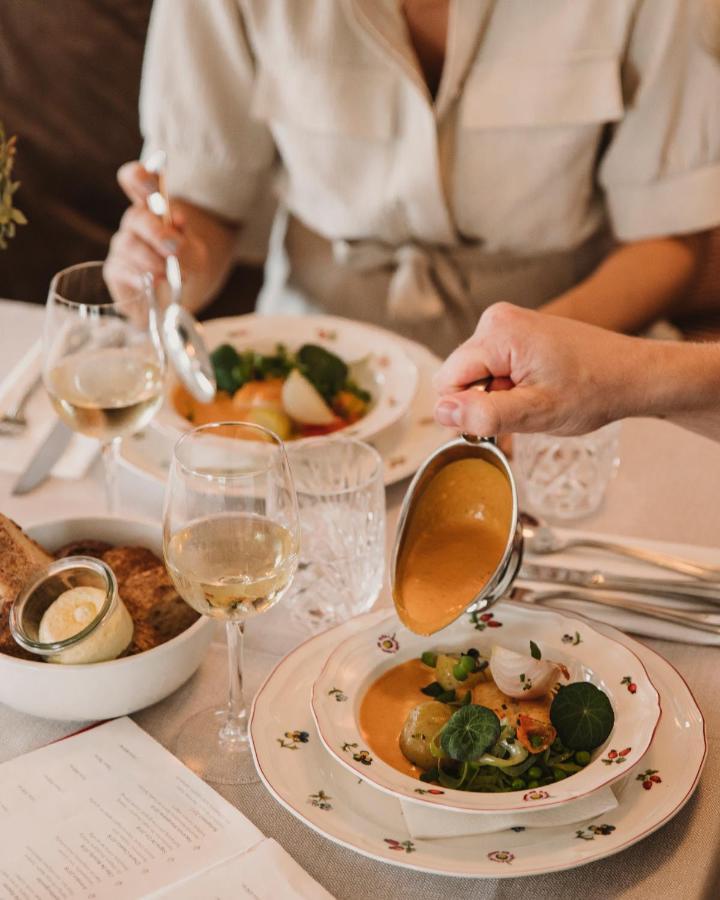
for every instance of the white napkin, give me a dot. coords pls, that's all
(427, 822)
(16, 452)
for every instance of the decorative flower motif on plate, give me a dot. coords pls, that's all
(401, 846)
(339, 695)
(327, 334)
(481, 621)
(291, 740)
(501, 856)
(588, 834)
(434, 791)
(536, 795)
(361, 756)
(573, 639)
(631, 686)
(649, 777)
(396, 461)
(388, 643)
(321, 800)
(617, 756)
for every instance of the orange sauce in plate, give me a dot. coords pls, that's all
(385, 707)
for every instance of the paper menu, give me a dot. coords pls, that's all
(110, 814)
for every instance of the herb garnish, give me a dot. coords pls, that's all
(469, 732)
(582, 716)
(535, 650)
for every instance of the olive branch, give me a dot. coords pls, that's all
(10, 216)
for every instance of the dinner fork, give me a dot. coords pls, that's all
(13, 422)
(703, 621)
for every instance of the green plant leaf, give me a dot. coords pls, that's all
(325, 371)
(535, 650)
(469, 732)
(582, 716)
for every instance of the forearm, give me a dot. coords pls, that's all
(675, 381)
(219, 239)
(633, 286)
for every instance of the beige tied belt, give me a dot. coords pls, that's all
(423, 280)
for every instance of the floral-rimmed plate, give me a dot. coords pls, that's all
(331, 800)
(358, 661)
(389, 374)
(403, 446)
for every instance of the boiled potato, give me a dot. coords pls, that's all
(422, 724)
(445, 678)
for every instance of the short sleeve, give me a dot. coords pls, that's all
(661, 170)
(197, 83)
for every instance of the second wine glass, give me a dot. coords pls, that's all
(230, 534)
(103, 363)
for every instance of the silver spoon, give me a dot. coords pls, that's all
(541, 540)
(467, 446)
(181, 333)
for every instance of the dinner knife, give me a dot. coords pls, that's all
(597, 580)
(45, 458)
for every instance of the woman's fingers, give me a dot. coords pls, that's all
(137, 182)
(165, 240)
(136, 254)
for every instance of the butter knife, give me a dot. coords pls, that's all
(45, 458)
(597, 580)
(702, 621)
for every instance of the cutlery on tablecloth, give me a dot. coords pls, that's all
(540, 539)
(40, 466)
(700, 620)
(596, 580)
(13, 422)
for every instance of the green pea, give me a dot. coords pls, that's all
(558, 774)
(517, 784)
(429, 658)
(468, 663)
(459, 672)
(534, 783)
(582, 757)
(535, 772)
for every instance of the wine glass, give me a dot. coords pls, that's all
(103, 362)
(230, 534)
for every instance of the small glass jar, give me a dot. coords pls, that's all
(104, 637)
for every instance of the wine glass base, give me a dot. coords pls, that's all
(216, 760)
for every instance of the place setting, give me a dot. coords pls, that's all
(486, 722)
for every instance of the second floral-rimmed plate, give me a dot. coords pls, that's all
(332, 801)
(361, 659)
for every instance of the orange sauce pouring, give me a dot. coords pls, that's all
(455, 540)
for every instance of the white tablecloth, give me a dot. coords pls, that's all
(667, 489)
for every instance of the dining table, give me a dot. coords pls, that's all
(667, 488)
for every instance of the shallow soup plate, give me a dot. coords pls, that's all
(358, 662)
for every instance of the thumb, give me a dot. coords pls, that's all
(497, 412)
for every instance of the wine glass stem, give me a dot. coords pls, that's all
(110, 455)
(234, 729)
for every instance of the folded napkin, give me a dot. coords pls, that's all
(17, 451)
(427, 822)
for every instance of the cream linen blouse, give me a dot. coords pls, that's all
(558, 127)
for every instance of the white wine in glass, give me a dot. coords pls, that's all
(230, 534)
(103, 364)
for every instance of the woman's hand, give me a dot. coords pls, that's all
(143, 242)
(549, 375)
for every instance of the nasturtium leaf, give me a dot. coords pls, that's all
(582, 716)
(469, 732)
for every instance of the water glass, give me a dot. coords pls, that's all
(565, 477)
(341, 501)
